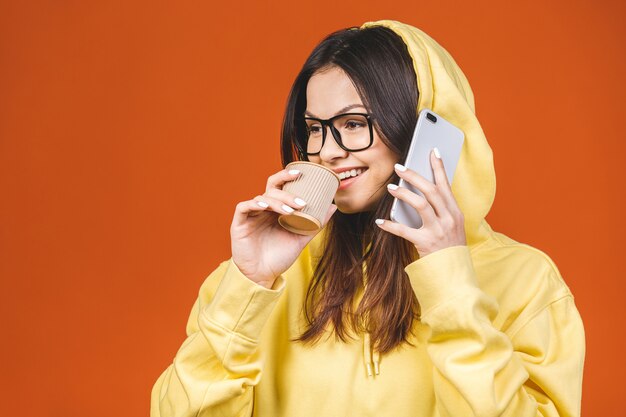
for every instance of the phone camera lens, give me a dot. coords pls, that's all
(431, 117)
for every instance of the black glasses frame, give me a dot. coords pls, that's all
(335, 132)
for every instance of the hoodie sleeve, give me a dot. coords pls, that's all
(481, 371)
(218, 365)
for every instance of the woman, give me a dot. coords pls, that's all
(370, 317)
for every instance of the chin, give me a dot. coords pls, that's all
(347, 205)
(347, 209)
(352, 208)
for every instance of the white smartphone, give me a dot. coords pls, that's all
(431, 131)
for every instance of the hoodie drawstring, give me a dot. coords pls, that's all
(367, 354)
(368, 359)
(376, 361)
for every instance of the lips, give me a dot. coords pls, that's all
(345, 183)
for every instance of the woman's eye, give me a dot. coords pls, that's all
(315, 129)
(354, 124)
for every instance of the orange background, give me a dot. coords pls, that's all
(129, 131)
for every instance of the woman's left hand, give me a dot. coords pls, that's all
(443, 222)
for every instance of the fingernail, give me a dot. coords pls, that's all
(400, 168)
(437, 154)
(299, 201)
(392, 186)
(263, 204)
(379, 221)
(294, 171)
(286, 208)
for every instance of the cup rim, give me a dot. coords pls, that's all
(317, 165)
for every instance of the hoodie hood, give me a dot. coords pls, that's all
(444, 89)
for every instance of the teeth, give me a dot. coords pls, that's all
(351, 173)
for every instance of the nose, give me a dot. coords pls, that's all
(331, 149)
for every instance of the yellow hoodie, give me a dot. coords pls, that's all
(499, 334)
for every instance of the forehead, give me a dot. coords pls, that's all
(329, 92)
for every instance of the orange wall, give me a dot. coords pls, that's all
(129, 131)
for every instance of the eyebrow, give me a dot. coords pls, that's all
(343, 110)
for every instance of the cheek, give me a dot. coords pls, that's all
(382, 158)
(382, 169)
(380, 175)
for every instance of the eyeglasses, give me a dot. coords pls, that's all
(352, 132)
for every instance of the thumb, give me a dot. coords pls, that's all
(331, 210)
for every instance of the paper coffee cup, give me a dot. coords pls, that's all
(317, 186)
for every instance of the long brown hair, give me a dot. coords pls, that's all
(379, 65)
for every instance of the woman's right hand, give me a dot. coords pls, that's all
(261, 248)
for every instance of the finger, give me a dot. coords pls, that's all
(397, 229)
(430, 190)
(441, 180)
(418, 202)
(281, 177)
(248, 208)
(275, 204)
(286, 197)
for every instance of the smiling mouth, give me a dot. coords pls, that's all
(348, 181)
(354, 173)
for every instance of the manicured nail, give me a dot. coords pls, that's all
(294, 171)
(379, 221)
(286, 208)
(392, 186)
(400, 168)
(263, 204)
(437, 154)
(299, 201)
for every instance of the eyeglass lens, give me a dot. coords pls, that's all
(352, 129)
